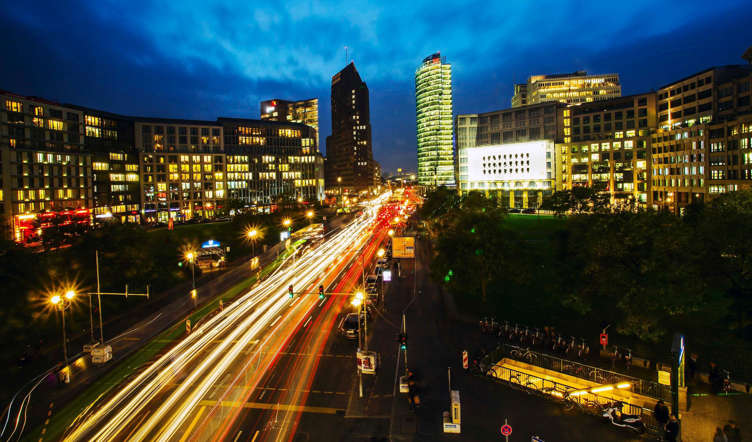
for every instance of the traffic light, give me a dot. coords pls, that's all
(321, 292)
(289, 290)
(402, 339)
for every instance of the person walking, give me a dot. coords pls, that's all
(719, 436)
(661, 413)
(732, 432)
(672, 429)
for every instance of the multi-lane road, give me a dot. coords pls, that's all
(248, 373)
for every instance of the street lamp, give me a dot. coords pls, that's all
(339, 185)
(380, 253)
(190, 256)
(358, 301)
(286, 222)
(60, 302)
(390, 232)
(253, 234)
(309, 215)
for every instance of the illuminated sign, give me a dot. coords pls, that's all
(387, 275)
(283, 235)
(533, 160)
(403, 247)
(269, 109)
(210, 243)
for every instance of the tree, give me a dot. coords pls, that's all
(472, 251)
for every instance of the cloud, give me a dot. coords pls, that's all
(199, 59)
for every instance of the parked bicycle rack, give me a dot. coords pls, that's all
(573, 398)
(580, 370)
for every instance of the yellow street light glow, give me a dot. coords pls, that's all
(286, 222)
(55, 299)
(390, 232)
(252, 234)
(396, 219)
(309, 214)
(604, 388)
(300, 199)
(624, 385)
(356, 302)
(359, 295)
(380, 253)
(193, 293)
(189, 256)
(70, 294)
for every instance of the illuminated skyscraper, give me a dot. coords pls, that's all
(575, 88)
(433, 112)
(302, 111)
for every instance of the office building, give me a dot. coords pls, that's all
(520, 174)
(349, 156)
(577, 87)
(539, 122)
(701, 120)
(182, 168)
(433, 114)
(109, 139)
(303, 111)
(46, 177)
(271, 162)
(520, 95)
(607, 145)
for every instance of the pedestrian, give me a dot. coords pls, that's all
(672, 429)
(719, 436)
(732, 432)
(661, 413)
(692, 367)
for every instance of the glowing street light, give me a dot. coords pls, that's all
(253, 234)
(390, 232)
(380, 253)
(63, 302)
(190, 256)
(309, 214)
(287, 222)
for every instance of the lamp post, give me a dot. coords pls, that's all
(339, 186)
(309, 215)
(358, 302)
(380, 253)
(60, 302)
(252, 234)
(191, 257)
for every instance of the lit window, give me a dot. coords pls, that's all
(13, 106)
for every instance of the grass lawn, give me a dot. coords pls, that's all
(62, 419)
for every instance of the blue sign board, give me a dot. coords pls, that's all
(210, 243)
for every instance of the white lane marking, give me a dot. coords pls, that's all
(238, 436)
(261, 396)
(322, 302)
(306, 323)
(275, 321)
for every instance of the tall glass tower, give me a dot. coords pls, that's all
(433, 112)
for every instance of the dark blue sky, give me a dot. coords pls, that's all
(193, 59)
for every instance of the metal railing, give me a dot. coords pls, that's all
(585, 402)
(573, 368)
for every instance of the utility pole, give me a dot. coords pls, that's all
(99, 294)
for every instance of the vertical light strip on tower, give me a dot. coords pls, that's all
(433, 112)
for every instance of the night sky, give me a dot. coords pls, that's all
(189, 59)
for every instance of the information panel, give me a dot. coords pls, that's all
(403, 247)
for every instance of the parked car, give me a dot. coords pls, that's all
(529, 211)
(514, 210)
(348, 327)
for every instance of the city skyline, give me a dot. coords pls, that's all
(198, 77)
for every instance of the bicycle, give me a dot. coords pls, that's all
(522, 354)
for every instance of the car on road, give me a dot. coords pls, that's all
(529, 211)
(514, 210)
(348, 327)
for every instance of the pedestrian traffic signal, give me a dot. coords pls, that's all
(321, 292)
(289, 290)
